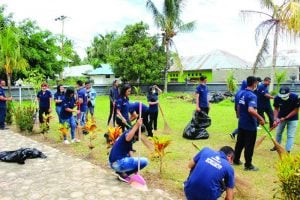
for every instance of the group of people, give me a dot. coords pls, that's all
(68, 102)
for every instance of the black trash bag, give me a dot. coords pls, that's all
(201, 120)
(190, 132)
(20, 155)
(216, 98)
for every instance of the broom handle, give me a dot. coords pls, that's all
(269, 133)
(162, 113)
(140, 135)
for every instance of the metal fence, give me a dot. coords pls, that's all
(26, 92)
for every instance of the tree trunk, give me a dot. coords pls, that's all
(8, 75)
(274, 58)
(167, 67)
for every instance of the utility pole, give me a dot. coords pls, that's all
(62, 19)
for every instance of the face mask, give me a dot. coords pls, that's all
(153, 91)
(285, 98)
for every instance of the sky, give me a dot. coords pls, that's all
(219, 24)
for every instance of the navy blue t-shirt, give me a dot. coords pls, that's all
(121, 148)
(153, 98)
(82, 94)
(135, 107)
(262, 100)
(2, 93)
(205, 180)
(123, 105)
(59, 96)
(44, 98)
(285, 107)
(247, 121)
(67, 103)
(202, 90)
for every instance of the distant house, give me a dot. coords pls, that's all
(77, 71)
(206, 64)
(102, 75)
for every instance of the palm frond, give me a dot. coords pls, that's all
(247, 13)
(269, 4)
(260, 57)
(157, 16)
(290, 16)
(187, 27)
(267, 26)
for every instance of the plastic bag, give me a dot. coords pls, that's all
(20, 155)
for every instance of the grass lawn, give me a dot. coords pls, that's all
(178, 111)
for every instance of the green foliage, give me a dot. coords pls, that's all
(279, 78)
(137, 90)
(9, 113)
(231, 83)
(34, 79)
(24, 117)
(137, 56)
(288, 172)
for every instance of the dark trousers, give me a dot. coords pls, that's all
(268, 110)
(112, 111)
(153, 120)
(2, 116)
(245, 139)
(145, 116)
(43, 110)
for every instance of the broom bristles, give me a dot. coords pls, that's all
(242, 187)
(279, 149)
(147, 142)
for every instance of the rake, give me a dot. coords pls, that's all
(167, 128)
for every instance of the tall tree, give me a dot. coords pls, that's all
(136, 56)
(101, 48)
(10, 53)
(170, 24)
(276, 22)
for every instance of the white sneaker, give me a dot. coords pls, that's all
(66, 142)
(75, 140)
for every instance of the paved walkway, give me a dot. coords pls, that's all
(60, 176)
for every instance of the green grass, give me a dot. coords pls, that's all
(178, 113)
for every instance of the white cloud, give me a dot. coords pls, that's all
(219, 24)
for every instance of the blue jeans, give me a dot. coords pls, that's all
(72, 124)
(82, 118)
(2, 116)
(58, 109)
(291, 130)
(129, 165)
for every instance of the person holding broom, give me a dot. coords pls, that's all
(286, 108)
(113, 96)
(152, 98)
(3, 100)
(44, 97)
(210, 175)
(247, 125)
(121, 157)
(122, 105)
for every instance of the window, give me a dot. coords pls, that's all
(107, 76)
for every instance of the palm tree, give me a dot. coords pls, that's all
(170, 24)
(277, 22)
(10, 53)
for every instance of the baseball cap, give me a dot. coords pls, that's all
(284, 92)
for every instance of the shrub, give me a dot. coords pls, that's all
(231, 83)
(288, 172)
(24, 117)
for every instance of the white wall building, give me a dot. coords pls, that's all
(102, 75)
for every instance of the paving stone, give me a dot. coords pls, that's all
(61, 177)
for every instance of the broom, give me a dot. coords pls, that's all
(280, 150)
(167, 128)
(260, 140)
(241, 186)
(111, 121)
(137, 181)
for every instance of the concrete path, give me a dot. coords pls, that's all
(61, 177)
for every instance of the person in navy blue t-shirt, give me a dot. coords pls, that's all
(286, 108)
(134, 110)
(3, 100)
(66, 114)
(263, 100)
(122, 105)
(211, 174)
(113, 96)
(121, 157)
(82, 102)
(44, 97)
(247, 125)
(202, 103)
(59, 96)
(152, 99)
